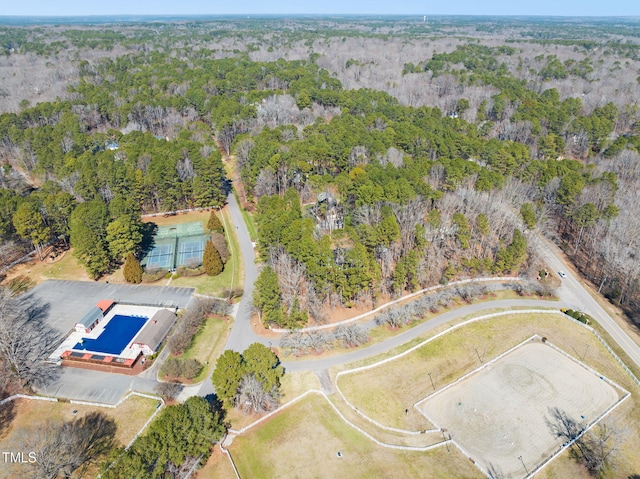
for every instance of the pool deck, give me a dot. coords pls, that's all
(119, 309)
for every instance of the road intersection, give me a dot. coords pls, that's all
(572, 295)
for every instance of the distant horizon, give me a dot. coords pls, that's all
(327, 14)
(544, 8)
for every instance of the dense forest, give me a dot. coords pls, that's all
(381, 155)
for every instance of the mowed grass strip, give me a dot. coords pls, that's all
(233, 274)
(208, 344)
(303, 441)
(385, 392)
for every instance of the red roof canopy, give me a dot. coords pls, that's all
(105, 304)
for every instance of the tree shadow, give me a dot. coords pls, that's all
(35, 341)
(7, 414)
(216, 405)
(69, 448)
(495, 472)
(562, 425)
(148, 238)
(226, 186)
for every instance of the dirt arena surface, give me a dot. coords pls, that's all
(499, 414)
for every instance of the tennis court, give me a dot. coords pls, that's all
(190, 252)
(180, 230)
(160, 257)
(177, 245)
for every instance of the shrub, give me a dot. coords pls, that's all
(189, 272)
(171, 368)
(211, 261)
(351, 336)
(232, 293)
(186, 328)
(220, 244)
(298, 344)
(132, 270)
(20, 284)
(181, 368)
(214, 223)
(154, 275)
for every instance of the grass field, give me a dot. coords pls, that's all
(303, 442)
(217, 467)
(404, 381)
(209, 344)
(316, 433)
(129, 417)
(65, 267)
(292, 386)
(233, 274)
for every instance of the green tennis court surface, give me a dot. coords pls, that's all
(177, 245)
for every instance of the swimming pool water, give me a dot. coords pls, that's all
(116, 335)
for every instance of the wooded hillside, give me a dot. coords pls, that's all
(382, 155)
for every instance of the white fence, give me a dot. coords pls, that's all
(397, 301)
(24, 396)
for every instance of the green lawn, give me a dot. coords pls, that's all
(209, 344)
(231, 277)
(303, 441)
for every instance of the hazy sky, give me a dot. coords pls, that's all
(213, 7)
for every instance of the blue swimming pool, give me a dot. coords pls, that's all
(115, 337)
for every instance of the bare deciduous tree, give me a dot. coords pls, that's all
(596, 448)
(67, 447)
(169, 391)
(25, 340)
(253, 398)
(291, 276)
(351, 336)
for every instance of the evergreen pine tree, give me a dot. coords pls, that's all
(132, 269)
(214, 223)
(211, 261)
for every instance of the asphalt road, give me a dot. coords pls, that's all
(574, 295)
(242, 336)
(409, 334)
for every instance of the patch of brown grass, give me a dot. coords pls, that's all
(129, 417)
(303, 442)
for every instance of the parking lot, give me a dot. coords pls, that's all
(65, 302)
(68, 301)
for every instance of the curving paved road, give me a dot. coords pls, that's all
(572, 295)
(407, 335)
(242, 336)
(575, 296)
